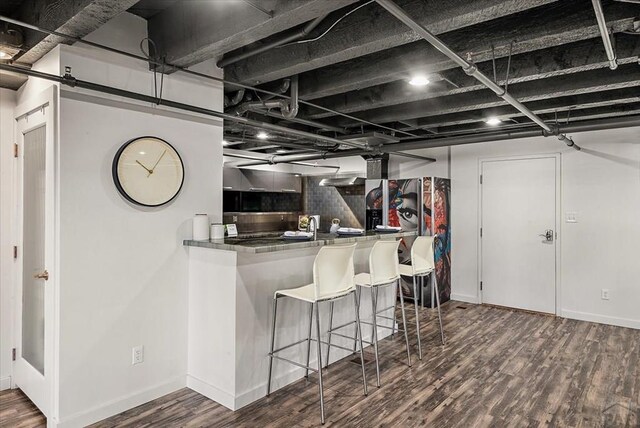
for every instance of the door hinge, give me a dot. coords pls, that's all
(480, 285)
(480, 178)
(15, 251)
(481, 232)
(13, 354)
(15, 150)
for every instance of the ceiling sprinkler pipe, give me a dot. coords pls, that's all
(604, 33)
(69, 80)
(469, 67)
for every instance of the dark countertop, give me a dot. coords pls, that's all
(269, 244)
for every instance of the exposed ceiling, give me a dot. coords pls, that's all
(357, 59)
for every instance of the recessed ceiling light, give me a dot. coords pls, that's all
(419, 80)
(493, 121)
(5, 55)
(262, 135)
(225, 143)
(281, 151)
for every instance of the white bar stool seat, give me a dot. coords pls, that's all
(333, 279)
(383, 271)
(423, 264)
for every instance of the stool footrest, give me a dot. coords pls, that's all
(289, 346)
(295, 363)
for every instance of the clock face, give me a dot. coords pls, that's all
(148, 171)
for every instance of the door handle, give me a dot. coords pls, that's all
(548, 235)
(43, 275)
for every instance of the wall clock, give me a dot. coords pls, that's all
(148, 171)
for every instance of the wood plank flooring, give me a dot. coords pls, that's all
(500, 368)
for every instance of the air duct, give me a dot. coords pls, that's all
(288, 108)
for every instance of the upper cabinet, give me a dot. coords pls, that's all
(260, 181)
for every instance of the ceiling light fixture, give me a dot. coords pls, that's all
(419, 80)
(262, 135)
(493, 121)
(282, 151)
(225, 143)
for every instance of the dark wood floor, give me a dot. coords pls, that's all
(499, 368)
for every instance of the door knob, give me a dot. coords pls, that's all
(43, 275)
(548, 235)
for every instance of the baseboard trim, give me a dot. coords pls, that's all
(601, 319)
(212, 392)
(468, 298)
(119, 405)
(5, 383)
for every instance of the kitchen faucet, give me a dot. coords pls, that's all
(315, 229)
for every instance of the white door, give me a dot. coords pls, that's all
(32, 370)
(518, 232)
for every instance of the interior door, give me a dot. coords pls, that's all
(32, 371)
(518, 232)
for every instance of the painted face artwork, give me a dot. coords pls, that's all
(403, 204)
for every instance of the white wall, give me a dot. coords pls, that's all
(7, 129)
(123, 269)
(602, 184)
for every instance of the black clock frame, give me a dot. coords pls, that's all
(116, 179)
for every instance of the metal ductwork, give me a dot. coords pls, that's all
(604, 33)
(471, 69)
(378, 166)
(288, 108)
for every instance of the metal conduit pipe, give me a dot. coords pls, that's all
(174, 67)
(73, 82)
(328, 155)
(394, 148)
(288, 109)
(304, 31)
(604, 33)
(469, 68)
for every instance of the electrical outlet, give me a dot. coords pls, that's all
(605, 294)
(137, 356)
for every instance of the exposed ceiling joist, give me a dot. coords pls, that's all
(562, 105)
(369, 31)
(189, 32)
(552, 87)
(77, 18)
(559, 60)
(556, 25)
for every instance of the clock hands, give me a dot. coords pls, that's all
(157, 162)
(150, 171)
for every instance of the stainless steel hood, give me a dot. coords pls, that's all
(342, 181)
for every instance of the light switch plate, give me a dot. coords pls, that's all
(137, 355)
(571, 217)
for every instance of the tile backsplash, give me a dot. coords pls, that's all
(344, 203)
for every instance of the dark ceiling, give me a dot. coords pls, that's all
(358, 59)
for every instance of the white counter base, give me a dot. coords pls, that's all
(230, 313)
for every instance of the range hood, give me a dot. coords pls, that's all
(342, 181)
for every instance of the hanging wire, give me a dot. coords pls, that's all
(493, 60)
(506, 79)
(328, 29)
(155, 59)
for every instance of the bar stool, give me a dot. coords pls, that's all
(422, 265)
(333, 279)
(384, 271)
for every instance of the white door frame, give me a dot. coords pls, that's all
(558, 216)
(38, 111)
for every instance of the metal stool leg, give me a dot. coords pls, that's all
(435, 284)
(273, 339)
(357, 297)
(415, 304)
(359, 338)
(395, 318)
(306, 371)
(374, 335)
(319, 356)
(404, 321)
(330, 327)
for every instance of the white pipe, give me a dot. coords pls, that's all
(604, 33)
